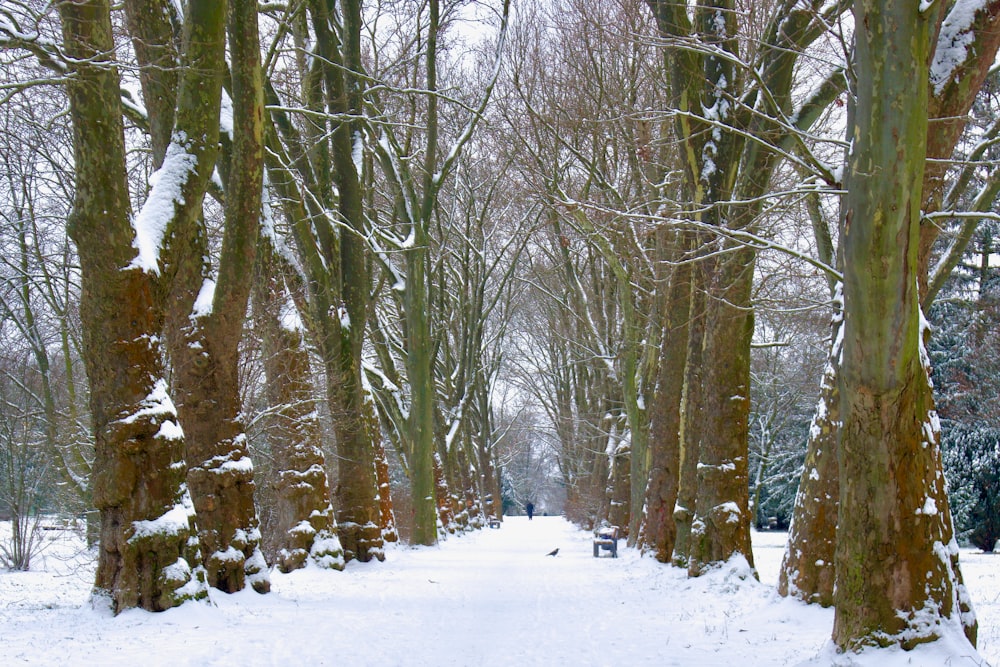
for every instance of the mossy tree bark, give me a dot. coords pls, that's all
(146, 557)
(808, 569)
(659, 530)
(304, 516)
(897, 561)
(312, 166)
(206, 307)
(726, 173)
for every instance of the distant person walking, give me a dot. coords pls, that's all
(530, 509)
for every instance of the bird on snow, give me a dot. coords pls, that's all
(553, 552)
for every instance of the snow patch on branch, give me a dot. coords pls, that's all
(166, 193)
(289, 318)
(206, 296)
(954, 40)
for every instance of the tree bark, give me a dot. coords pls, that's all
(691, 420)
(304, 516)
(619, 489)
(721, 526)
(898, 581)
(146, 558)
(660, 529)
(149, 25)
(807, 569)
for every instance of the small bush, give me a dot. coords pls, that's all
(972, 467)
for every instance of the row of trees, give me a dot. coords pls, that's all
(649, 375)
(641, 220)
(193, 207)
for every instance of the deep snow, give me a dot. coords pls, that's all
(488, 598)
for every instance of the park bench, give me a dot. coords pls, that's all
(606, 538)
(494, 522)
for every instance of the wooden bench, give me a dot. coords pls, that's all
(606, 538)
(494, 522)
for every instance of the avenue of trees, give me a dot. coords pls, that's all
(281, 282)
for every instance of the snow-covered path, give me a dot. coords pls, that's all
(489, 598)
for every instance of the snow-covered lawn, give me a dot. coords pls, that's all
(488, 598)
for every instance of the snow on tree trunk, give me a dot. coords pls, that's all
(807, 569)
(721, 525)
(304, 516)
(898, 581)
(146, 557)
(386, 513)
(690, 421)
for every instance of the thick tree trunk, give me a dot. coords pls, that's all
(897, 560)
(721, 527)
(146, 558)
(419, 345)
(807, 569)
(222, 481)
(691, 420)
(660, 529)
(206, 314)
(304, 517)
(386, 513)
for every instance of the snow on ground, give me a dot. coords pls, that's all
(489, 598)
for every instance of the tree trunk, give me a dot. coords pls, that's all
(898, 581)
(445, 508)
(807, 569)
(420, 372)
(304, 517)
(386, 513)
(721, 526)
(358, 512)
(419, 345)
(691, 421)
(146, 558)
(206, 315)
(359, 516)
(660, 529)
(619, 490)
